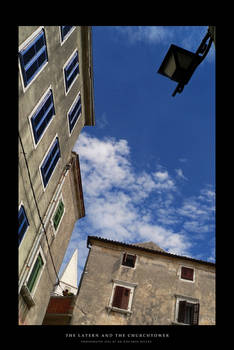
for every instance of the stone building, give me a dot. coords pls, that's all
(141, 284)
(55, 102)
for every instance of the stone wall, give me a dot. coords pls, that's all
(158, 285)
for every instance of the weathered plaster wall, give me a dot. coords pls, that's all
(158, 283)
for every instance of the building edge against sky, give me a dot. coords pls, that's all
(55, 103)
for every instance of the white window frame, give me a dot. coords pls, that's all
(67, 36)
(189, 267)
(32, 113)
(23, 46)
(53, 213)
(124, 284)
(44, 188)
(75, 100)
(65, 64)
(128, 267)
(182, 298)
(40, 274)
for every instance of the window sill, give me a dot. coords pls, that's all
(186, 280)
(179, 323)
(122, 311)
(128, 267)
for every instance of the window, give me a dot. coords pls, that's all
(58, 214)
(33, 57)
(42, 116)
(187, 273)
(74, 113)
(65, 31)
(50, 162)
(122, 296)
(188, 312)
(34, 275)
(129, 260)
(23, 224)
(71, 71)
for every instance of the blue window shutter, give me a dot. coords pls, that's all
(71, 70)
(74, 113)
(50, 162)
(33, 57)
(65, 30)
(42, 116)
(22, 224)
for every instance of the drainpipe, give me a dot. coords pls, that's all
(47, 217)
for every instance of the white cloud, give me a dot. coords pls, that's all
(191, 210)
(180, 175)
(196, 226)
(163, 181)
(148, 34)
(188, 37)
(161, 176)
(124, 205)
(102, 121)
(105, 164)
(183, 160)
(167, 239)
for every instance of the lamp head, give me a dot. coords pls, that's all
(179, 64)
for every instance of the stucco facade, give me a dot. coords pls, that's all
(154, 284)
(46, 105)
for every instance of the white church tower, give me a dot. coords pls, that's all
(69, 278)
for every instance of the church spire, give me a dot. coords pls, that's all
(69, 278)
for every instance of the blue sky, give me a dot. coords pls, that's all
(148, 166)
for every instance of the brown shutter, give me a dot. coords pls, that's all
(121, 297)
(181, 312)
(129, 260)
(125, 298)
(124, 258)
(117, 300)
(187, 273)
(195, 313)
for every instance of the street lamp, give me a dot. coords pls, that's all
(179, 64)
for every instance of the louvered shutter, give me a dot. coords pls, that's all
(117, 300)
(121, 297)
(35, 272)
(125, 298)
(195, 314)
(181, 312)
(58, 214)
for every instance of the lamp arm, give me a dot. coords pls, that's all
(179, 89)
(206, 50)
(203, 48)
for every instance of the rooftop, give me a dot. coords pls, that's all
(150, 247)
